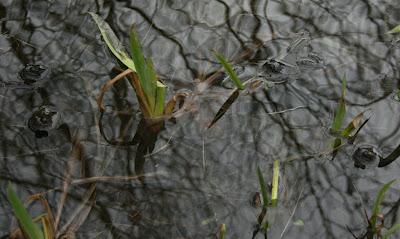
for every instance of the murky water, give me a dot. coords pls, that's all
(198, 178)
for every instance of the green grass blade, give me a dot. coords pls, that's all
(222, 231)
(24, 219)
(340, 110)
(391, 231)
(275, 184)
(378, 201)
(160, 99)
(112, 41)
(145, 70)
(228, 68)
(395, 30)
(262, 187)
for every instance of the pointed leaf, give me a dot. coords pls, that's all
(395, 30)
(225, 107)
(378, 202)
(112, 41)
(340, 110)
(24, 219)
(391, 231)
(229, 69)
(263, 187)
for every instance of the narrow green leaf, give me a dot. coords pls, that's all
(340, 110)
(378, 201)
(262, 187)
(112, 42)
(24, 219)
(275, 184)
(222, 231)
(336, 144)
(395, 30)
(228, 68)
(391, 231)
(145, 71)
(160, 99)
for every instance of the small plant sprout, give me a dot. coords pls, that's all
(338, 120)
(150, 91)
(375, 230)
(234, 95)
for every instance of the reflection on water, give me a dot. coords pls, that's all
(53, 62)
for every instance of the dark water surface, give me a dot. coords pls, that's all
(200, 178)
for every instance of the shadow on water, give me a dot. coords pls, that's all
(55, 140)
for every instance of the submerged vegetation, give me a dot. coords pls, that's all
(157, 113)
(373, 229)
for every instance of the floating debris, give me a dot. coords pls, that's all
(311, 61)
(366, 156)
(43, 120)
(256, 200)
(32, 73)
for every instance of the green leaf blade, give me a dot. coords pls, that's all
(378, 202)
(24, 219)
(228, 68)
(395, 30)
(160, 99)
(262, 187)
(340, 110)
(391, 231)
(275, 184)
(112, 41)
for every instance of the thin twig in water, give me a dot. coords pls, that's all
(204, 155)
(99, 179)
(292, 214)
(72, 163)
(287, 110)
(160, 149)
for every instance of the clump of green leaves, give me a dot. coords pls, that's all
(338, 120)
(149, 90)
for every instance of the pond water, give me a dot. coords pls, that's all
(53, 62)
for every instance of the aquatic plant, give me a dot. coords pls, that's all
(262, 220)
(150, 91)
(338, 120)
(222, 231)
(29, 228)
(373, 229)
